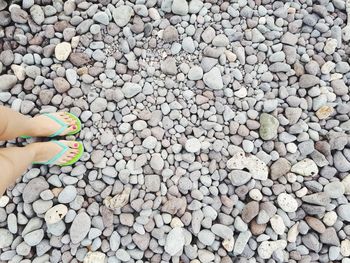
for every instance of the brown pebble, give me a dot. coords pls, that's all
(315, 224)
(79, 59)
(257, 229)
(250, 211)
(279, 168)
(61, 25)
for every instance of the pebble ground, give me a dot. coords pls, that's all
(215, 131)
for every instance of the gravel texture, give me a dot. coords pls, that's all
(215, 131)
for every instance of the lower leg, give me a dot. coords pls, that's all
(13, 124)
(14, 161)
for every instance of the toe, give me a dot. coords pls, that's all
(72, 144)
(72, 121)
(73, 127)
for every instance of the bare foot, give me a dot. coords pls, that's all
(45, 151)
(43, 126)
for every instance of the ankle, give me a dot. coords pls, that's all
(33, 150)
(32, 128)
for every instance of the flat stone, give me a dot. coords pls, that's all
(308, 81)
(152, 182)
(55, 214)
(266, 248)
(330, 237)
(101, 17)
(268, 126)
(205, 256)
(68, 194)
(7, 82)
(330, 46)
(79, 59)
(287, 202)
(6, 238)
(37, 14)
(80, 227)
(122, 15)
(311, 242)
(324, 112)
(157, 162)
(193, 145)
(206, 237)
(257, 36)
(344, 212)
(239, 177)
(131, 89)
(170, 34)
(213, 79)
(208, 35)
(127, 219)
(315, 224)
(168, 66)
(317, 199)
(18, 15)
(180, 7)
(150, 142)
(277, 224)
(279, 67)
(345, 182)
(345, 248)
(289, 39)
(61, 84)
(123, 255)
(293, 233)
(34, 238)
(98, 105)
(339, 87)
(340, 162)
(175, 241)
(3, 5)
(32, 190)
(141, 241)
(306, 167)
(222, 231)
(334, 189)
(195, 6)
(188, 45)
(195, 73)
(256, 167)
(220, 41)
(241, 242)
(279, 168)
(94, 257)
(62, 51)
(250, 211)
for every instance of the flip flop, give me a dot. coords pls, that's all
(65, 148)
(63, 125)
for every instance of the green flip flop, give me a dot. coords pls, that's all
(63, 125)
(65, 148)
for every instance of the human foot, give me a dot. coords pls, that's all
(60, 153)
(54, 124)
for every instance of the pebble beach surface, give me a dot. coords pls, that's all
(214, 131)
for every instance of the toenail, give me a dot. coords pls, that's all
(74, 127)
(75, 145)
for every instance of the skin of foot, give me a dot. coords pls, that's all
(44, 151)
(43, 126)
